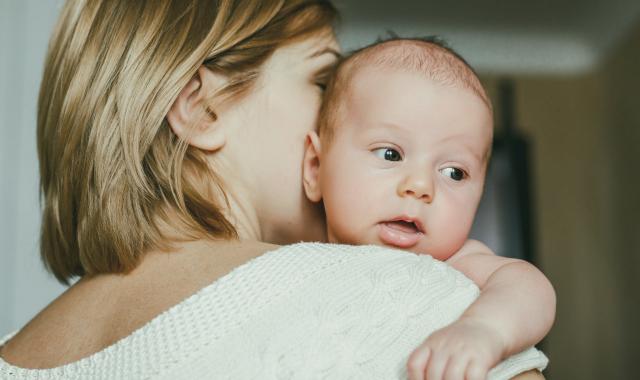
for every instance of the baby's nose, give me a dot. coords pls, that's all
(419, 187)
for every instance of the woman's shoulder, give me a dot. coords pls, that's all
(211, 292)
(339, 310)
(370, 256)
(99, 314)
(371, 267)
(98, 311)
(343, 311)
(309, 268)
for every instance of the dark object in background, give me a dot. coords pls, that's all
(505, 220)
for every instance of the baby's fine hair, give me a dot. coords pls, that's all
(429, 56)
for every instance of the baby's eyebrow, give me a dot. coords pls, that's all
(478, 157)
(467, 148)
(395, 126)
(377, 128)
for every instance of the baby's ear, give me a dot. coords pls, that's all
(311, 167)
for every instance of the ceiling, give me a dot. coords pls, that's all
(561, 37)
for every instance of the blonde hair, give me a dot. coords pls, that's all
(111, 169)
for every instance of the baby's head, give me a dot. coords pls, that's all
(404, 137)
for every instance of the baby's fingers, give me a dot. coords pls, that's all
(456, 367)
(476, 371)
(417, 363)
(436, 366)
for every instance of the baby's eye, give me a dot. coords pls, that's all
(454, 173)
(388, 154)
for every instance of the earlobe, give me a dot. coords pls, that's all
(311, 168)
(192, 119)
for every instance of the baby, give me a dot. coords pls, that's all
(400, 160)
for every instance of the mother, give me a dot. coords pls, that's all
(170, 139)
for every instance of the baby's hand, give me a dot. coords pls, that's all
(466, 349)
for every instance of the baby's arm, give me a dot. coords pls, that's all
(515, 310)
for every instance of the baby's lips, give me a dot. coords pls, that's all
(398, 235)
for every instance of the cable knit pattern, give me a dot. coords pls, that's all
(304, 311)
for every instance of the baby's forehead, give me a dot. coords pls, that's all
(426, 59)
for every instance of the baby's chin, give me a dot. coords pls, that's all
(399, 238)
(411, 240)
(437, 253)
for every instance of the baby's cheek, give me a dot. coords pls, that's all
(343, 210)
(448, 235)
(343, 222)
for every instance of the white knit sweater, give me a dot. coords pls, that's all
(304, 311)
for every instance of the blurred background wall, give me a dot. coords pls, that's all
(575, 67)
(25, 287)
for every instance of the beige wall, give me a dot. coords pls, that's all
(585, 135)
(622, 73)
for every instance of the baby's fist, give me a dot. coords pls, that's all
(464, 350)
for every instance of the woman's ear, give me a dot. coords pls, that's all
(190, 116)
(311, 167)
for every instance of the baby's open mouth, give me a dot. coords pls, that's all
(403, 226)
(401, 232)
